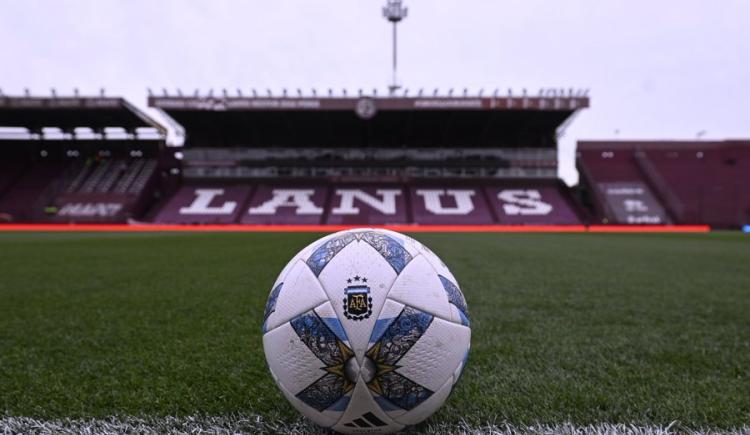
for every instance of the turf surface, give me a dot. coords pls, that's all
(581, 328)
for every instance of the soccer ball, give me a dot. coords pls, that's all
(366, 330)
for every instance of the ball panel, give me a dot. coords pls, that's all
(329, 316)
(460, 370)
(427, 408)
(364, 415)
(411, 245)
(457, 316)
(434, 358)
(437, 263)
(290, 360)
(300, 292)
(418, 286)
(455, 297)
(390, 311)
(395, 389)
(324, 419)
(356, 281)
(302, 254)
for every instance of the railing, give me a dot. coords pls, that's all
(673, 203)
(113, 175)
(129, 176)
(90, 184)
(143, 177)
(368, 154)
(366, 171)
(601, 205)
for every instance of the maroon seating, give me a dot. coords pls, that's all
(516, 203)
(207, 204)
(23, 201)
(696, 182)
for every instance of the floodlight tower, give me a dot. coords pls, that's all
(394, 12)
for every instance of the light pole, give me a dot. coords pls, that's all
(394, 12)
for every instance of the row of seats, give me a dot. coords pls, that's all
(518, 202)
(120, 176)
(683, 184)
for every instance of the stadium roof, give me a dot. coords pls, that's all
(69, 113)
(660, 144)
(497, 121)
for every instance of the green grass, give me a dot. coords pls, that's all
(581, 328)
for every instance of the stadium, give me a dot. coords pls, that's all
(138, 248)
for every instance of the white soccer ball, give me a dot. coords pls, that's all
(366, 331)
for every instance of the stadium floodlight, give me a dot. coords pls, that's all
(395, 12)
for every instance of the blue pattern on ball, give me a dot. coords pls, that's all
(456, 298)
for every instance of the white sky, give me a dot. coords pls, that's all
(664, 69)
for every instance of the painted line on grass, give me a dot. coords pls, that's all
(333, 228)
(248, 423)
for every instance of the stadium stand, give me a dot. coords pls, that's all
(369, 161)
(700, 182)
(351, 161)
(76, 159)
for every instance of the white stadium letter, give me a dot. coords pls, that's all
(200, 205)
(524, 203)
(300, 199)
(387, 205)
(464, 203)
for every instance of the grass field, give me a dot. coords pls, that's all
(642, 329)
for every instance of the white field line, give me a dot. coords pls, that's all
(254, 424)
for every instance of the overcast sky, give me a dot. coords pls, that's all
(665, 69)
